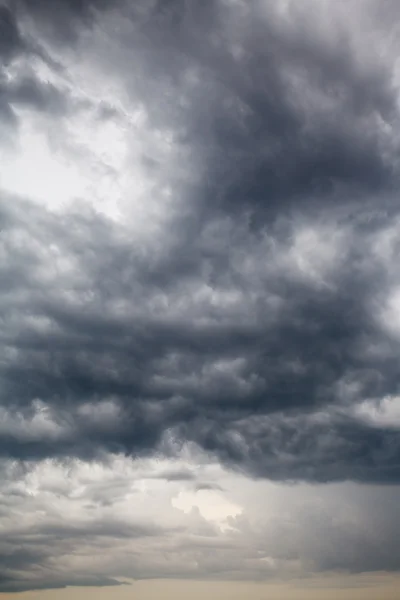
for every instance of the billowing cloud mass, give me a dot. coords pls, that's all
(199, 240)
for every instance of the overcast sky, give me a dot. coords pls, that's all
(199, 299)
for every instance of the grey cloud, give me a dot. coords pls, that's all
(176, 475)
(306, 448)
(208, 487)
(15, 585)
(279, 115)
(337, 527)
(11, 44)
(100, 529)
(343, 543)
(29, 92)
(62, 19)
(29, 554)
(237, 333)
(11, 40)
(226, 385)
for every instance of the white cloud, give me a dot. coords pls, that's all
(213, 506)
(382, 413)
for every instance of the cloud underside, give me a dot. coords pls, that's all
(199, 235)
(247, 298)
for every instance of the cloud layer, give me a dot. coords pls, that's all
(70, 523)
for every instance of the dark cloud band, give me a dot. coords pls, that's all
(266, 301)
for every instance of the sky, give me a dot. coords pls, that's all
(200, 299)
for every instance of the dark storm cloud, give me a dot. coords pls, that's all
(304, 447)
(11, 41)
(16, 585)
(63, 18)
(293, 131)
(282, 152)
(60, 18)
(11, 44)
(283, 115)
(254, 411)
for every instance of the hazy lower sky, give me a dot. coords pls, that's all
(377, 587)
(199, 299)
